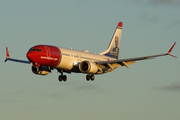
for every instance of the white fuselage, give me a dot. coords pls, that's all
(70, 57)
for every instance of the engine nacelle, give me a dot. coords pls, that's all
(42, 70)
(88, 67)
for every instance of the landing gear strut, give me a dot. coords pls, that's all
(62, 77)
(88, 77)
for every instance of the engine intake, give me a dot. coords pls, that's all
(88, 67)
(42, 70)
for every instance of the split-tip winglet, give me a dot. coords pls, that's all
(7, 54)
(171, 50)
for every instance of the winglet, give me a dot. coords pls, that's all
(7, 54)
(171, 50)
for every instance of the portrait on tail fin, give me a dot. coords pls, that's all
(115, 50)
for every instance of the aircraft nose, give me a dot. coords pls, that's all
(29, 56)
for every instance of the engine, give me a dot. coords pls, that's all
(42, 70)
(88, 67)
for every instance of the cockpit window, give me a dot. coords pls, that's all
(35, 50)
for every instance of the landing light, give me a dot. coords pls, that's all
(75, 63)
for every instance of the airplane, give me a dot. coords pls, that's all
(45, 58)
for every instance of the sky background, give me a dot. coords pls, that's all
(149, 90)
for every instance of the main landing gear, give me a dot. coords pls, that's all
(62, 77)
(88, 77)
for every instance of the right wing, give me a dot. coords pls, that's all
(125, 62)
(14, 60)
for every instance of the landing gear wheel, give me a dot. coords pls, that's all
(60, 78)
(92, 77)
(64, 77)
(88, 77)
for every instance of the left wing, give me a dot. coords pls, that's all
(125, 62)
(14, 60)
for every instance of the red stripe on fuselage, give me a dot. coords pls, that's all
(45, 55)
